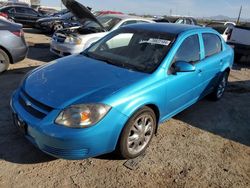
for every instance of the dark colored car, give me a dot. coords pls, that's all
(54, 23)
(13, 47)
(21, 14)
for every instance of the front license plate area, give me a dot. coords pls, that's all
(18, 122)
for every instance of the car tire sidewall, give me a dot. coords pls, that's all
(6, 61)
(122, 148)
(215, 93)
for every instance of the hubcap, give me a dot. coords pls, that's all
(140, 134)
(222, 87)
(58, 27)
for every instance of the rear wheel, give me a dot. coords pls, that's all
(137, 133)
(221, 87)
(4, 61)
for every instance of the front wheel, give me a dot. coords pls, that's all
(137, 133)
(221, 87)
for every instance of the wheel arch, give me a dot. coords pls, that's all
(8, 53)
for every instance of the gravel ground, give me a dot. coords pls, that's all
(207, 145)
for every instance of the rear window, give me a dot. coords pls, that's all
(212, 44)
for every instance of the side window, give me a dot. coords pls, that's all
(189, 51)
(188, 21)
(212, 44)
(180, 21)
(20, 10)
(129, 22)
(119, 41)
(31, 12)
(11, 10)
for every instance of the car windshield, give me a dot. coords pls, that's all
(135, 49)
(108, 22)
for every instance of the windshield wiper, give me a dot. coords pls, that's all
(115, 63)
(90, 55)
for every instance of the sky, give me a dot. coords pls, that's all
(196, 8)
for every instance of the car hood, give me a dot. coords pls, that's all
(77, 79)
(80, 12)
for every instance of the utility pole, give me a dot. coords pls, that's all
(238, 20)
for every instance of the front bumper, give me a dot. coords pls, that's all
(69, 143)
(63, 49)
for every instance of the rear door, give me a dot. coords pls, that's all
(20, 16)
(212, 61)
(32, 16)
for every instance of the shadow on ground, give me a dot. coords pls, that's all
(228, 118)
(36, 31)
(41, 52)
(13, 146)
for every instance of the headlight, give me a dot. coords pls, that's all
(82, 116)
(73, 40)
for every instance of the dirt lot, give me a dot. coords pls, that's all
(207, 145)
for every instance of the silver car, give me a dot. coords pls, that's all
(13, 47)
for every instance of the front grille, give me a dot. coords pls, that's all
(65, 152)
(35, 108)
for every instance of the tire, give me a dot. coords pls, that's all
(219, 90)
(4, 61)
(137, 133)
(57, 27)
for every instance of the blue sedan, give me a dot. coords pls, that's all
(114, 95)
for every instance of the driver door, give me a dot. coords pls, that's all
(183, 87)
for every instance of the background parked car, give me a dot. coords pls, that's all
(221, 27)
(75, 40)
(55, 23)
(179, 20)
(13, 47)
(22, 14)
(239, 38)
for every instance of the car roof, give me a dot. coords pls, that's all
(166, 27)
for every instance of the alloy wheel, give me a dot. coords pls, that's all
(140, 134)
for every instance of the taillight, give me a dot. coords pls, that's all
(3, 14)
(18, 33)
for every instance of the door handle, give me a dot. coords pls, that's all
(199, 71)
(221, 61)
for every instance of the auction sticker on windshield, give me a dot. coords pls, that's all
(156, 41)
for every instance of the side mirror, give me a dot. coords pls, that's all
(183, 66)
